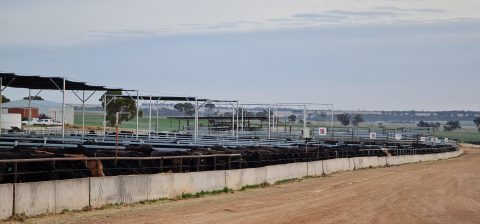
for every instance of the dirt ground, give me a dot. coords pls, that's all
(445, 191)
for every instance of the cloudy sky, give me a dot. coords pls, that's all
(358, 54)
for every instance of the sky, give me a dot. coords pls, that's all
(356, 54)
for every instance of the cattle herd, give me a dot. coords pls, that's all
(180, 161)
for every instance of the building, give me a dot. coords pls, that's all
(25, 113)
(49, 108)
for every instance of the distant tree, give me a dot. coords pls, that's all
(43, 116)
(210, 107)
(116, 105)
(250, 114)
(263, 115)
(357, 120)
(452, 125)
(423, 124)
(292, 118)
(344, 119)
(186, 108)
(477, 123)
(5, 99)
(33, 98)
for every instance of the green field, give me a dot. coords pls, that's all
(465, 135)
(468, 133)
(164, 124)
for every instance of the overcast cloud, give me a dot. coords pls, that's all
(358, 54)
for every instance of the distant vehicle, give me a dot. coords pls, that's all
(43, 122)
(32, 121)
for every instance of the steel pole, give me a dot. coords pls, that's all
(269, 120)
(233, 121)
(116, 138)
(196, 120)
(243, 129)
(138, 111)
(273, 119)
(236, 111)
(29, 108)
(104, 115)
(156, 129)
(150, 117)
(331, 121)
(304, 117)
(63, 109)
(83, 113)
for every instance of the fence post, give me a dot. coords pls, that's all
(240, 162)
(181, 165)
(198, 164)
(161, 164)
(229, 162)
(15, 170)
(214, 163)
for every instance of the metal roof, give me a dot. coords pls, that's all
(47, 83)
(33, 103)
(165, 98)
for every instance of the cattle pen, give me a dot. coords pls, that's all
(253, 143)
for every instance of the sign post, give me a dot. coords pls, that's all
(322, 131)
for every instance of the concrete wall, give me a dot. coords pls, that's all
(6, 200)
(136, 188)
(236, 179)
(55, 196)
(337, 165)
(119, 189)
(286, 171)
(35, 198)
(315, 168)
(365, 162)
(160, 186)
(72, 194)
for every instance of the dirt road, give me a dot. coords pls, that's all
(433, 192)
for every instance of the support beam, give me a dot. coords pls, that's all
(233, 121)
(150, 117)
(243, 129)
(63, 108)
(331, 121)
(104, 115)
(83, 113)
(138, 111)
(269, 120)
(236, 111)
(29, 109)
(156, 126)
(196, 120)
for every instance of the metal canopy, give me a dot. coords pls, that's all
(218, 118)
(165, 98)
(47, 83)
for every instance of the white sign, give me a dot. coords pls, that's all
(446, 140)
(423, 139)
(322, 131)
(373, 135)
(398, 136)
(306, 133)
